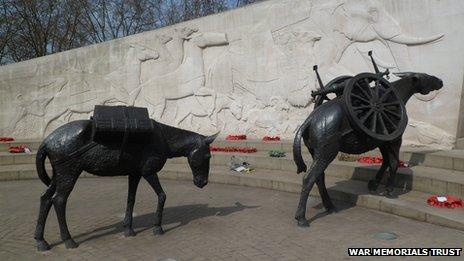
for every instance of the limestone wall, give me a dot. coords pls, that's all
(248, 70)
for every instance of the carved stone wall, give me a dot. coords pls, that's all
(248, 70)
(460, 133)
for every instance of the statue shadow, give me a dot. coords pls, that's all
(418, 157)
(180, 215)
(339, 206)
(404, 182)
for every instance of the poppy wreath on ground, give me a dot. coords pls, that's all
(271, 138)
(233, 149)
(4, 139)
(445, 201)
(17, 149)
(236, 137)
(378, 160)
(277, 153)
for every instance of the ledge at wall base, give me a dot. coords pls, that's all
(460, 144)
(410, 204)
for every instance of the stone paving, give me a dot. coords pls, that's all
(220, 222)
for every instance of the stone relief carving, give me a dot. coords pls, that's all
(430, 136)
(258, 80)
(187, 80)
(219, 102)
(34, 103)
(170, 57)
(226, 102)
(272, 119)
(126, 79)
(80, 88)
(83, 85)
(284, 55)
(34, 100)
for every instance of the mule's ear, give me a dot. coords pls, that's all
(209, 139)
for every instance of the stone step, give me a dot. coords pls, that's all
(452, 159)
(411, 204)
(25, 171)
(449, 159)
(7, 158)
(419, 178)
(460, 144)
(33, 144)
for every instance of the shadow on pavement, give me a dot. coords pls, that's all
(172, 215)
(339, 206)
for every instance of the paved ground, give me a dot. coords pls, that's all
(220, 222)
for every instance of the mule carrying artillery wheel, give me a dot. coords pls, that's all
(374, 107)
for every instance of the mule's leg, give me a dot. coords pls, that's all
(320, 181)
(320, 163)
(45, 205)
(127, 223)
(394, 162)
(373, 184)
(64, 185)
(155, 184)
(326, 201)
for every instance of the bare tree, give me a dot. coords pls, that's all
(36, 21)
(39, 28)
(105, 20)
(239, 3)
(33, 28)
(7, 30)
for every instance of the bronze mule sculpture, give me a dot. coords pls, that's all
(327, 131)
(136, 161)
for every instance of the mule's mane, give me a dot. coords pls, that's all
(405, 88)
(179, 142)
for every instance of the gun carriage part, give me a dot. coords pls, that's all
(318, 99)
(372, 104)
(376, 68)
(374, 107)
(334, 86)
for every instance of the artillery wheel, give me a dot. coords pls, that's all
(374, 107)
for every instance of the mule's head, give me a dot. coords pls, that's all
(422, 82)
(198, 160)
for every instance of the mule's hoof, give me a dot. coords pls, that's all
(390, 193)
(372, 185)
(158, 230)
(129, 232)
(303, 223)
(42, 246)
(70, 243)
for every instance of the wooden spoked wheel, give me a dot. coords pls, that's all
(374, 107)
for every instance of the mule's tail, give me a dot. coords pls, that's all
(40, 165)
(297, 158)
